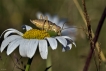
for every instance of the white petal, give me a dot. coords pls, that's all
(62, 40)
(74, 44)
(70, 45)
(32, 48)
(52, 42)
(43, 49)
(13, 45)
(13, 31)
(23, 47)
(63, 50)
(6, 31)
(27, 27)
(8, 40)
(55, 20)
(69, 39)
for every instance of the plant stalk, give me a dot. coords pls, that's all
(92, 44)
(28, 64)
(49, 61)
(102, 56)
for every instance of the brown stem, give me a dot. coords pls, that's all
(87, 20)
(92, 43)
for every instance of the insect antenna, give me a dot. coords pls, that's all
(46, 18)
(70, 27)
(62, 28)
(73, 27)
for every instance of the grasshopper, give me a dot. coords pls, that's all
(47, 25)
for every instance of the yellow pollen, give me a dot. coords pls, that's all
(35, 34)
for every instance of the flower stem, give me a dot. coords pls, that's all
(49, 62)
(28, 64)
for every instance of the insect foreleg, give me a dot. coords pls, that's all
(46, 18)
(41, 16)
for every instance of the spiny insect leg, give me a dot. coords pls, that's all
(46, 18)
(41, 16)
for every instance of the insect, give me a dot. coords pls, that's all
(45, 24)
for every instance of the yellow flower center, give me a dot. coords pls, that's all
(35, 34)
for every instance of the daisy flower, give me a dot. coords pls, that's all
(32, 39)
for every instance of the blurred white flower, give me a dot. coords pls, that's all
(30, 40)
(72, 32)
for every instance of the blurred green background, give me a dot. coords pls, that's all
(15, 13)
